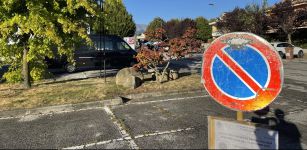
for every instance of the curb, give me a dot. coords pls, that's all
(295, 60)
(157, 94)
(49, 110)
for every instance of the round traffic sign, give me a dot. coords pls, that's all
(242, 71)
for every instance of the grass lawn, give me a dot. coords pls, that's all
(13, 96)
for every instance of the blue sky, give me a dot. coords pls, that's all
(144, 11)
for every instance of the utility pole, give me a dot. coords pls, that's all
(102, 42)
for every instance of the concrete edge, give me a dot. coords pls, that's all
(157, 94)
(85, 106)
(296, 60)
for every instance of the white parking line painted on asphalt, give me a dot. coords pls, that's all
(93, 144)
(136, 137)
(49, 114)
(121, 128)
(163, 132)
(7, 118)
(166, 100)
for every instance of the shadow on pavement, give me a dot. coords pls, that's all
(187, 66)
(289, 134)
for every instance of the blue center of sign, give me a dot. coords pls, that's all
(251, 61)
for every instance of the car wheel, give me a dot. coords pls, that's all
(70, 68)
(300, 54)
(281, 54)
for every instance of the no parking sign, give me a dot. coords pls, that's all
(242, 71)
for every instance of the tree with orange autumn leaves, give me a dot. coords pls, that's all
(165, 50)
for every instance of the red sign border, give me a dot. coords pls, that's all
(264, 98)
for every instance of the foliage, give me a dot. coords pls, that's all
(180, 47)
(176, 28)
(30, 29)
(249, 19)
(116, 19)
(203, 29)
(155, 24)
(165, 51)
(157, 35)
(13, 76)
(285, 17)
(151, 58)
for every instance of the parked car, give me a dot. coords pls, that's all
(3, 70)
(116, 52)
(281, 48)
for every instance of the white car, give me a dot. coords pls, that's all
(281, 48)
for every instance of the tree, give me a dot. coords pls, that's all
(117, 21)
(165, 51)
(203, 29)
(155, 24)
(236, 20)
(176, 28)
(172, 28)
(30, 29)
(285, 17)
(250, 19)
(258, 20)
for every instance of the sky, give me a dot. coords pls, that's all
(144, 11)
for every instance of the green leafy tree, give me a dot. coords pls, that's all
(233, 21)
(30, 30)
(249, 19)
(155, 24)
(203, 29)
(116, 19)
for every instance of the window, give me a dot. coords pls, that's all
(100, 45)
(122, 45)
(288, 45)
(84, 47)
(281, 45)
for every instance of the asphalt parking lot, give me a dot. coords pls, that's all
(174, 121)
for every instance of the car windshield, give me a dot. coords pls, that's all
(121, 45)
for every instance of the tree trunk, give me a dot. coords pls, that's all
(164, 74)
(25, 69)
(290, 38)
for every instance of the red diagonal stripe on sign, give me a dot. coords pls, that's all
(241, 73)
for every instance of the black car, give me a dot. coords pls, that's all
(117, 53)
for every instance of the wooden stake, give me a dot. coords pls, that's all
(239, 115)
(211, 133)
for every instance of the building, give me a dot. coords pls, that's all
(299, 4)
(296, 4)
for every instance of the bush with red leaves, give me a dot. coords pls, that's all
(166, 49)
